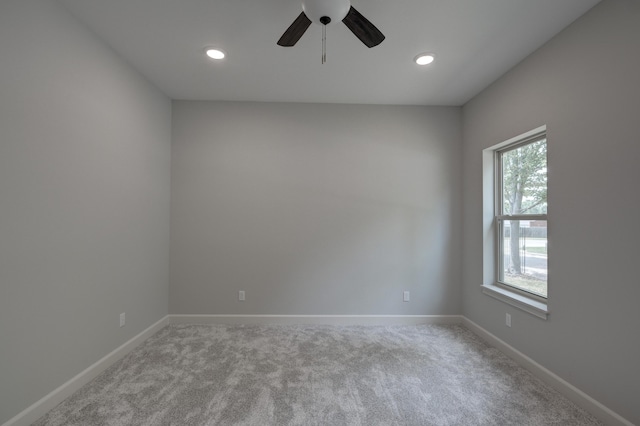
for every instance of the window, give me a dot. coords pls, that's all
(515, 218)
(521, 219)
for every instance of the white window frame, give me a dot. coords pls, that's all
(492, 219)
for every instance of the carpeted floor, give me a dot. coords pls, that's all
(316, 375)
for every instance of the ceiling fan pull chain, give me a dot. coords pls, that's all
(324, 44)
(324, 21)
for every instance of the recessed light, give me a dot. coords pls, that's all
(215, 53)
(424, 58)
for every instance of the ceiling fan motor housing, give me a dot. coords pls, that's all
(336, 10)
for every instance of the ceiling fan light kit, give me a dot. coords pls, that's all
(335, 10)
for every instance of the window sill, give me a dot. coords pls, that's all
(533, 307)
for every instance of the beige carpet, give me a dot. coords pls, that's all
(316, 375)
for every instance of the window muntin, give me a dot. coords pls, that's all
(521, 216)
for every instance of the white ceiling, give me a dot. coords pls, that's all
(475, 42)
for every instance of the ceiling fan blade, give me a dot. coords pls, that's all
(295, 31)
(362, 28)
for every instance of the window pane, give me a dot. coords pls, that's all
(524, 255)
(524, 179)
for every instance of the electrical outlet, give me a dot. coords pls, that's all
(508, 320)
(241, 295)
(406, 296)
(122, 319)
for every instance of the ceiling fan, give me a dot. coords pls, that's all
(324, 12)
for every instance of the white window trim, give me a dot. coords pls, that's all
(519, 301)
(531, 304)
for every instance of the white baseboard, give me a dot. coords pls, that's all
(317, 319)
(41, 407)
(581, 399)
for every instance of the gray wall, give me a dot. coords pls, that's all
(311, 209)
(84, 201)
(315, 209)
(585, 86)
